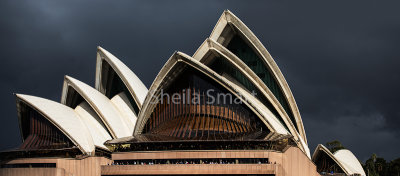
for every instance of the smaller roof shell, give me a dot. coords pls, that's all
(344, 158)
(104, 108)
(62, 117)
(121, 103)
(349, 161)
(135, 86)
(92, 121)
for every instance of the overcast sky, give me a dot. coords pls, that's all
(339, 57)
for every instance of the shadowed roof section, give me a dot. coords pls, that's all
(135, 86)
(62, 117)
(229, 26)
(104, 108)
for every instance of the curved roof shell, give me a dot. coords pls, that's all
(235, 26)
(344, 158)
(123, 106)
(103, 107)
(349, 161)
(93, 123)
(211, 49)
(135, 86)
(62, 117)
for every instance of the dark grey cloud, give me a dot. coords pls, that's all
(340, 58)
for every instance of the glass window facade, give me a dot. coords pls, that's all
(224, 67)
(245, 53)
(205, 110)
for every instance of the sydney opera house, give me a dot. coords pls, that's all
(226, 110)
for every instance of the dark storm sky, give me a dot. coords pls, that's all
(341, 58)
